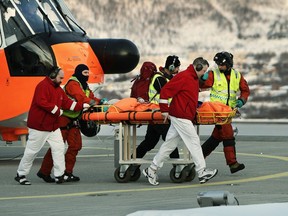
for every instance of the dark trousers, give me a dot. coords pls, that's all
(152, 137)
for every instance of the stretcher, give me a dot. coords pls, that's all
(125, 143)
(216, 118)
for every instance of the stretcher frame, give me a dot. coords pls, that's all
(215, 118)
(125, 142)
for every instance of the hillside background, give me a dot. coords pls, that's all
(255, 32)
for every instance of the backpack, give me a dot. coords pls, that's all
(141, 82)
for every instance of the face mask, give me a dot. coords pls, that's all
(85, 78)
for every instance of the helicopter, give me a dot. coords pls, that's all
(36, 35)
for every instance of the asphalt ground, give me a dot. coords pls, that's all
(264, 180)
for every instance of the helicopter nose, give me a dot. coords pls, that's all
(115, 55)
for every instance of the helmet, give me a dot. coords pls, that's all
(224, 58)
(89, 128)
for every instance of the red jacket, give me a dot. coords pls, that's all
(184, 90)
(74, 90)
(47, 101)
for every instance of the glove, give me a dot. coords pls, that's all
(239, 103)
(165, 116)
(140, 100)
(104, 101)
(86, 106)
(205, 76)
(92, 102)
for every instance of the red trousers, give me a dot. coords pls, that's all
(222, 133)
(74, 140)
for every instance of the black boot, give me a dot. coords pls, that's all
(59, 179)
(236, 167)
(46, 178)
(69, 177)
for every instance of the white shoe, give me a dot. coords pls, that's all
(151, 175)
(206, 175)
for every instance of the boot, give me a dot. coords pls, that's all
(46, 178)
(230, 155)
(236, 167)
(69, 177)
(209, 145)
(59, 179)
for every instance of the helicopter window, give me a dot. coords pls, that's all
(55, 16)
(30, 58)
(69, 17)
(1, 29)
(23, 18)
(11, 22)
(29, 9)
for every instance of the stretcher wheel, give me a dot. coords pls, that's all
(122, 177)
(190, 173)
(177, 177)
(135, 175)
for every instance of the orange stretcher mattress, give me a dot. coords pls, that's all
(114, 117)
(127, 109)
(131, 111)
(214, 113)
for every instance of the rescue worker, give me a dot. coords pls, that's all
(155, 131)
(78, 90)
(43, 122)
(225, 82)
(184, 91)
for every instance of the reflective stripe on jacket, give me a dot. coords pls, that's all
(221, 91)
(154, 96)
(46, 104)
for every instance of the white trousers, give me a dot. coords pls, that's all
(185, 130)
(36, 140)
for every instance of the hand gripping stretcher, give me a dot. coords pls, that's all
(127, 166)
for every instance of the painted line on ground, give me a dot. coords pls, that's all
(153, 188)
